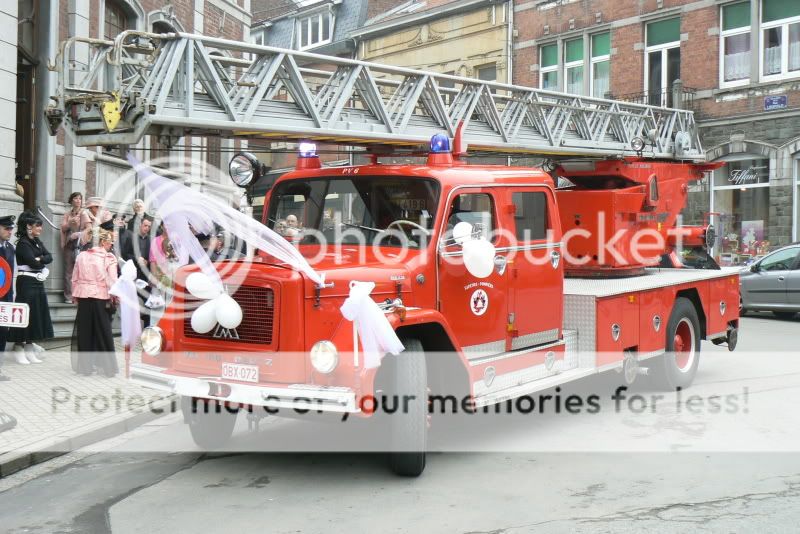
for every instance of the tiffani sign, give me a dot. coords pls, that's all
(745, 176)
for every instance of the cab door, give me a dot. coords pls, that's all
(535, 269)
(476, 309)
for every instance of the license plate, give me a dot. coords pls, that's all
(242, 373)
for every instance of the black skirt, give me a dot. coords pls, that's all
(40, 326)
(92, 339)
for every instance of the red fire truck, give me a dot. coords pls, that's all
(587, 269)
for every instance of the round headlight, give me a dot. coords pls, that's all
(244, 169)
(324, 357)
(152, 340)
(637, 144)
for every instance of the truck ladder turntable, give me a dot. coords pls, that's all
(173, 85)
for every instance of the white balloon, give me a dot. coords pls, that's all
(229, 313)
(479, 257)
(205, 317)
(462, 232)
(200, 286)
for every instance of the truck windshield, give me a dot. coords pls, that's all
(354, 210)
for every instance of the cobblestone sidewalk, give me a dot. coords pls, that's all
(58, 411)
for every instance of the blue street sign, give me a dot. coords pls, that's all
(775, 102)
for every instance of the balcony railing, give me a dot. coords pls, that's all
(679, 97)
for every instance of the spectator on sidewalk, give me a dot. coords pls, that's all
(7, 253)
(92, 217)
(32, 260)
(137, 248)
(138, 216)
(70, 235)
(92, 339)
(121, 234)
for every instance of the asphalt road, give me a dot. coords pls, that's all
(714, 474)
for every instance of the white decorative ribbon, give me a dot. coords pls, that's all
(125, 290)
(374, 329)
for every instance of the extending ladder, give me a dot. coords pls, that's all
(173, 85)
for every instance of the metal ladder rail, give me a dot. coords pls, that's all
(193, 84)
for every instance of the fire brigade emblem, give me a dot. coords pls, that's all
(479, 302)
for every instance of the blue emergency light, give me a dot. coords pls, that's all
(440, 143)
(307, 150)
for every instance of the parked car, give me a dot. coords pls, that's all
(773, 283)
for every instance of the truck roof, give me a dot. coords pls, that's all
(448, 175)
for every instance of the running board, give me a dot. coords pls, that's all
(531, 387)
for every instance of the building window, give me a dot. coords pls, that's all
(662, 60)
(573, 66)
(116, 20)
(735, 44)
(780, 39)
(601, 64)
(315, 30)
(487, 73)
(548, 67)
(741, 193)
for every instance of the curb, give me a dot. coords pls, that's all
(49, 448)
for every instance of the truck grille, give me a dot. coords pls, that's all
(258, 307)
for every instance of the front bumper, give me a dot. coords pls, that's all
(300, 397)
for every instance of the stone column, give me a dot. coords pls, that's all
(10, 202)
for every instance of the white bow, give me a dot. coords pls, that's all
(374, 329)
(125, 289)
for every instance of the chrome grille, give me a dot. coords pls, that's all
(258, 307)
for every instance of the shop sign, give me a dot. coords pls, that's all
(745, 176)
(775, 102)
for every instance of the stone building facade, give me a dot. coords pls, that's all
(37, 170)
(736, 63)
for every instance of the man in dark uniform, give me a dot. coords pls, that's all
(7, 253)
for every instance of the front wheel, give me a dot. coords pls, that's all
(210, 422)
(409, 424)
(678, 365)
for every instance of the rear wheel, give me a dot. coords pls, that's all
(679, 365)
(210, 422)
(784, 315)
(409, 424)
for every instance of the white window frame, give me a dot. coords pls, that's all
(722, 36)
(663, 48)
(307, 19)
(572, 65)
(598, 59)
(784, 24)
(546, 70)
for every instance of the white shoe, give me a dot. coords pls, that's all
(19, 355)
(30, 353)
(39, 350)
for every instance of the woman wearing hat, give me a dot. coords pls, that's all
(70, 234)
(94, 215)
(32, 260)
(95, 272)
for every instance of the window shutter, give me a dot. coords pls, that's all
(780, 9)
(549, 55)
(601, 44)
(663, 31)
(736, 16)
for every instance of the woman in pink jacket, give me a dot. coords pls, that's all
(92, 341)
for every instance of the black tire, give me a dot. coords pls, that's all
(409, 427)
(678, 366)
(786, 316)
(210, 423)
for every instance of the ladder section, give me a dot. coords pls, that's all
(172, 85)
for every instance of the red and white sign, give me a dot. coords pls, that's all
(14, 314)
